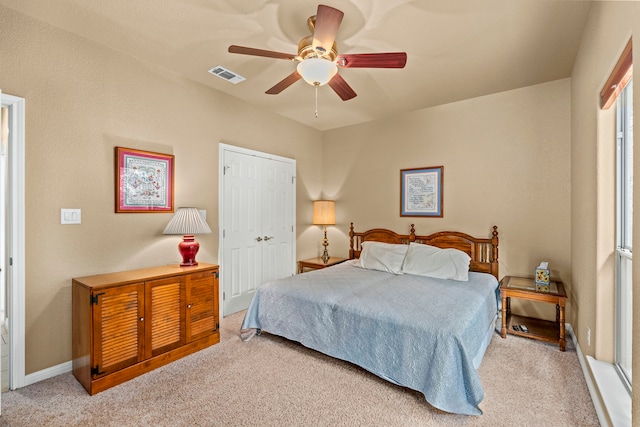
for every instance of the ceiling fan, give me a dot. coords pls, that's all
(318, 58)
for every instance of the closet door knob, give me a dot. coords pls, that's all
(259, 239)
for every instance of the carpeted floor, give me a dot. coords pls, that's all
(270, 381)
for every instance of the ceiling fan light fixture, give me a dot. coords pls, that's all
(317, 71)
(318, 59)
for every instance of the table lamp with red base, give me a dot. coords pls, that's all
(188, 222)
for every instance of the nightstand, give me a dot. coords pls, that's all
(544, 330)
(317, 263)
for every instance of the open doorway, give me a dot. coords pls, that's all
(12, 233)
(4, 331)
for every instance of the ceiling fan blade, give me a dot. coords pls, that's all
(326, 27)
(372, 60)
(341, 87)
(260, 52)
(284, 83)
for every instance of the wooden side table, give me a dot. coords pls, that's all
(544, 330)
(317, 263)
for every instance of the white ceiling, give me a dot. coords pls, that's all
(457, 49)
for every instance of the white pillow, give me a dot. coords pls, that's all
(426, 260)
(383, 256)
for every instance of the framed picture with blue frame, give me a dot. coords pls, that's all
(421, 192)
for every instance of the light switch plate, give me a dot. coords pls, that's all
(70, 216)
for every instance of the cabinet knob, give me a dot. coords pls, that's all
(189, 306)
(142, 319)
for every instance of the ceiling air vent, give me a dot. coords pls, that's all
(229, 76)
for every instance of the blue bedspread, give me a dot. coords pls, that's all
(414, 331)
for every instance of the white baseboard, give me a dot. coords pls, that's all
(45, 374)
(619, 406)
(595, 397)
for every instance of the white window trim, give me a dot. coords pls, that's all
(624, 248)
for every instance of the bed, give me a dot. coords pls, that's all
(427, 332)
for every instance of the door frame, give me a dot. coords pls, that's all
(16, 248)
(226, 147)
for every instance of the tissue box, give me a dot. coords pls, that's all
(542, 279)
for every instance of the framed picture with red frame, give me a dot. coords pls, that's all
(144, 181)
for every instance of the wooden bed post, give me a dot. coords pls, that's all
(351, 254)
(494, 243)
(494, 255)
(412, 234)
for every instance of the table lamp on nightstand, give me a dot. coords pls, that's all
(324, 214)
(188, 221)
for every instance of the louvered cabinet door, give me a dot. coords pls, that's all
(165, 314)
(202, 304)
(118, 320)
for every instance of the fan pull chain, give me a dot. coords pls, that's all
(316, 85)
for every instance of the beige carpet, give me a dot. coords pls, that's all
(269, 381)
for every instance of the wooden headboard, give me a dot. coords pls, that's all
(483, 251)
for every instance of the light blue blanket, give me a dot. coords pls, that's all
(414, 331)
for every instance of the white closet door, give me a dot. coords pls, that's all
(277, 220)
(258, 237)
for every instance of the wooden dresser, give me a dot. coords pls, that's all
(130, 322)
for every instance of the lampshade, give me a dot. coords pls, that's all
(324, 212)
(187, 221)
(317, 71)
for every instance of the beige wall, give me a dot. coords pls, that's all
(506, 161)
(81, 101)
(610, 26)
